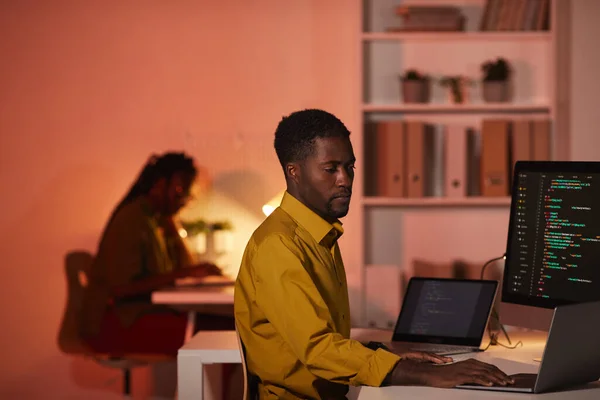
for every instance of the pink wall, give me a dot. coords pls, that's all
(87, 91)
(585, 85)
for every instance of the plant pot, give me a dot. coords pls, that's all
(496, 92)
(458, 94)
(416, 91)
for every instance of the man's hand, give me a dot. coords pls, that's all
(468, 371)
(417, 372)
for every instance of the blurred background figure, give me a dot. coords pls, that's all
(140, 251)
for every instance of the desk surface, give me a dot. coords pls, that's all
(509, 361)
(194, 295)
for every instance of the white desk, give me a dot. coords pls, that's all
(194, 295)
(193, 299)
(198, 373)
(509, 361)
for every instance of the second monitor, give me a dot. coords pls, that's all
(553, 246)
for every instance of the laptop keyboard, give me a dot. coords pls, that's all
(442, 349)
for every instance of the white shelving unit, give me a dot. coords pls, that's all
(399, 230)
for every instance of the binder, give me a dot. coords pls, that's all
(520, 149)
(494, 158)
(540, 137)
(415, 163)
(390, 159)
(473, 162)
(455, 156)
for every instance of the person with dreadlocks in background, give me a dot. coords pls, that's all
(141, 251)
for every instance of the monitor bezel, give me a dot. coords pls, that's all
(536, 167)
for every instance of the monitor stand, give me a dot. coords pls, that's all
(528, 317)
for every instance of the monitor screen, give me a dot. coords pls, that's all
(553, 249)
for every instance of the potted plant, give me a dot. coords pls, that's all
(207, 237)
(457, 85)
(496, 78)
(416, 87)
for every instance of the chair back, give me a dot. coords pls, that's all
(250, 381)
(77, 269)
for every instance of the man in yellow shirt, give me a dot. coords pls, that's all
(291, 296)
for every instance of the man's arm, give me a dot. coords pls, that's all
(292, 303)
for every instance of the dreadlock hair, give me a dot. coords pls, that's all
(296, 133)
(158, 167)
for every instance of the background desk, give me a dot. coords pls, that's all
(510, 361)
(194, 295)
(197, 299)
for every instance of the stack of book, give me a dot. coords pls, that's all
(430, 18)
(516, 15)
(418, 159)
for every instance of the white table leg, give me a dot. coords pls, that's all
(190, 376)
(191, 323)
(198, 381)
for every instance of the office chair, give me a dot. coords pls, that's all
(250, 381)
(77, 269)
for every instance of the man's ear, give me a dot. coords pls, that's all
(292, 171)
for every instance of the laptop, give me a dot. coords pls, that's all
(443, 316)
(571, 356)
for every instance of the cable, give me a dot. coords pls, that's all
(494, 314)
(494, 342)
(489, 262)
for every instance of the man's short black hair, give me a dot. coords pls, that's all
(296, 133)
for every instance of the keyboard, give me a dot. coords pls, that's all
(445, 349)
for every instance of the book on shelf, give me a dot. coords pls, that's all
(415, 159)
(429, 19)
(516, 15)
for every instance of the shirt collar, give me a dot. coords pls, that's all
(321, 230)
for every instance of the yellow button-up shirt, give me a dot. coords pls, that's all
(293, 314)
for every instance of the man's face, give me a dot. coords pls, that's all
(325, 177)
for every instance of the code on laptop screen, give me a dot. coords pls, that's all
(446, 308)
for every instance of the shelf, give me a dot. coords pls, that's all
(370, 201)
(458, 36)
(431, 108)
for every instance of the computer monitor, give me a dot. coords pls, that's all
(553, 247)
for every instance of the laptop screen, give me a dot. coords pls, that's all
(446, 311)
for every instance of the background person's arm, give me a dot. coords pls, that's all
(135, 264)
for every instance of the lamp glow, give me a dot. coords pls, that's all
(272, 204)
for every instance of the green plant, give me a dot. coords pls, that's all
(496, 71)
(414, 75)
(201, 226)
(456, 84)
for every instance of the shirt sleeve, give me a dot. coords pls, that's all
(292, 303)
